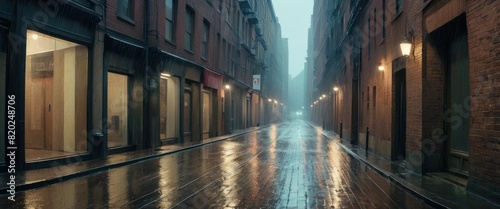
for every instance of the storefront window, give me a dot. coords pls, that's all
(187, 112)
(55, 96)
(3, 97)
(117, 110)
(206, 114)
(169, 107)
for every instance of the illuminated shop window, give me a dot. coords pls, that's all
(169, 107)
(55, 97)
(117, 110)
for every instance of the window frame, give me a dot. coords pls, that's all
(189, 34)
(205, 39)
(171, 21)
(397, 9)
(129, 14)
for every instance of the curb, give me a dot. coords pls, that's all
(429, 198)
(54, 180)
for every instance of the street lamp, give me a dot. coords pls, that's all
(405, 46)
(229, 117)
(381, 67)
(335, 88)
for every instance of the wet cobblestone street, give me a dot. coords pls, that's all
(288, 165)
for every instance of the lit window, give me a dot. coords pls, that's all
(55, 97)
(117, 110)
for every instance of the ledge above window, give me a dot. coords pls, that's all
(126, 19)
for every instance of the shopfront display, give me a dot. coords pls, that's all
(118, 110)
(55, 97)
(169, 107)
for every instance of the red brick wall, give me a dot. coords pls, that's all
(483, 22)
(202, 10)
(383, 51)
(412, 11)
(114, 23)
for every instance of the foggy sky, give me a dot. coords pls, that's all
(295, 18)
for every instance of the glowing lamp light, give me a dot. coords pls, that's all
(164, 76)
(335, 88)
(405, 46)
(381, 68)
(228, 86)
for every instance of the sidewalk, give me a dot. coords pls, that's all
(32, 179)
(433, 190)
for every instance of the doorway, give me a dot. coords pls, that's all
(399, 145)
(457, 98)
(449, 45)
(187, 115)
(207, 101)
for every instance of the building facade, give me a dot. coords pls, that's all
(82, 80)
(433, 108)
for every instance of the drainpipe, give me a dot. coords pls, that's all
(146, 84)
(366, 140)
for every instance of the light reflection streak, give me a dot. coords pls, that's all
(169, 180)
(228, 166)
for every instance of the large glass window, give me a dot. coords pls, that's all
(169, 107)
(169, 20)
(55, 97)
(117, 110)
(206, 114)
(3, 97)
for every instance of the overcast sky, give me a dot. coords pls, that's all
(295, 19)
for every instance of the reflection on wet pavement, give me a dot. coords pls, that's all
(289, 165)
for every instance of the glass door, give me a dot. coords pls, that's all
(117, 110)
(206, 114)
(187, 115)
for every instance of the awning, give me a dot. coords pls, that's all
(212, 79)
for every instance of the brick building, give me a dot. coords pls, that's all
(436, 109)
(94, 78)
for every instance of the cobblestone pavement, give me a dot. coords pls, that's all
(290, 165)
